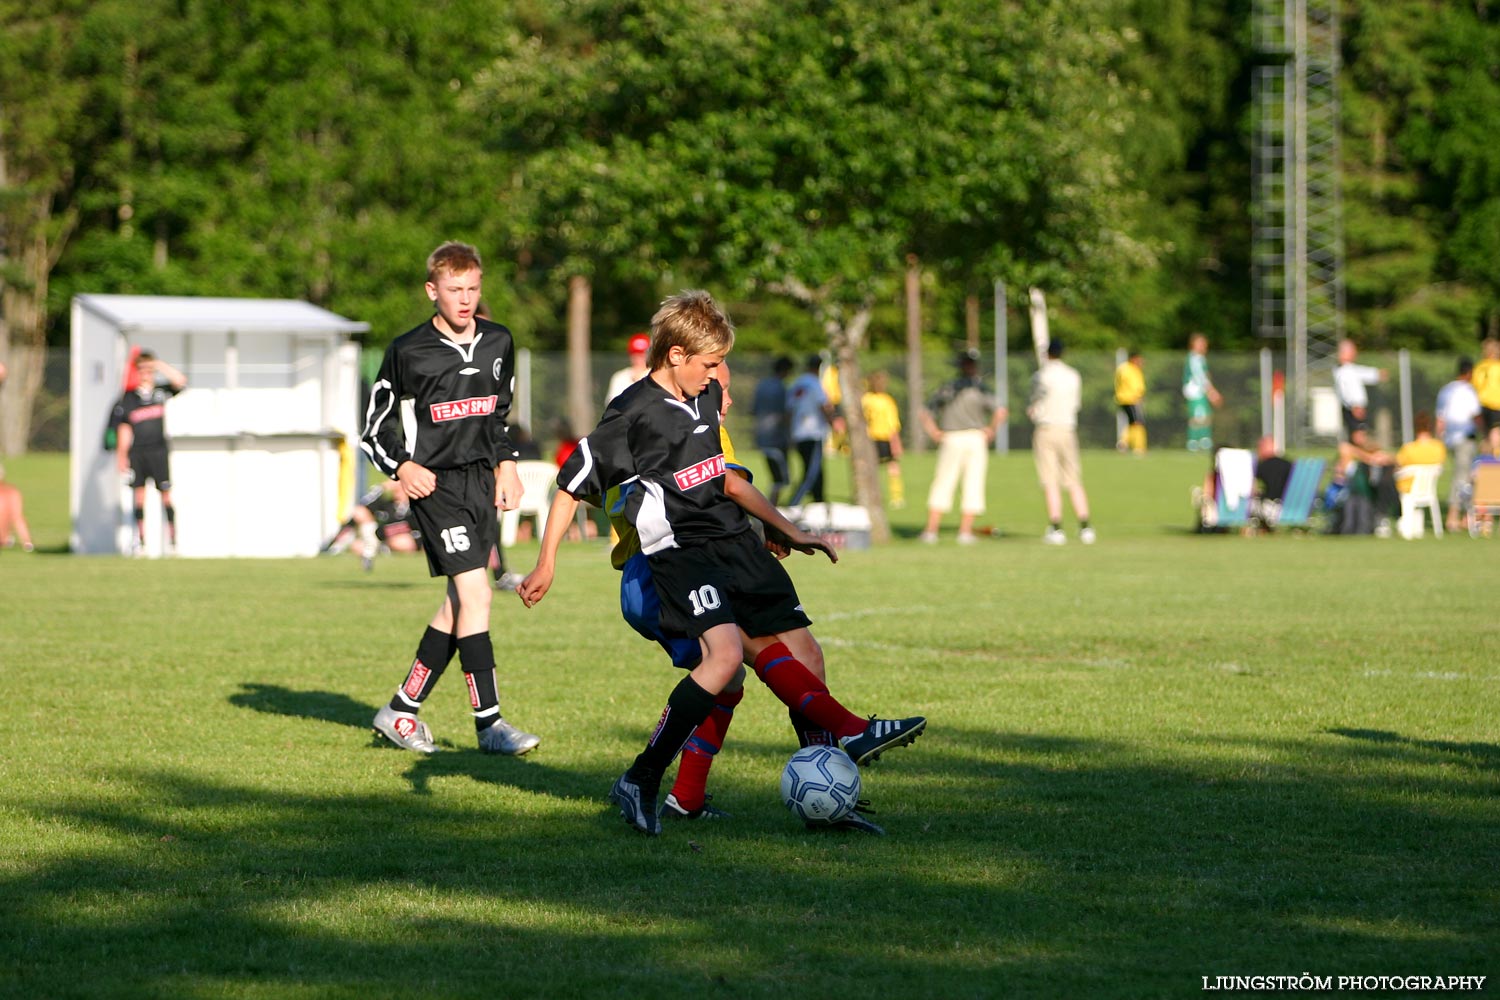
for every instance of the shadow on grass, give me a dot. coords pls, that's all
(326, 706)
(1018, 864)
(1486, 755)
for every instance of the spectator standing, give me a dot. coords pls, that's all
(632, 373)
(1349, 382)
(1130, 390)
(1487, 385)
(1198, 389)
(810, 413)
(963, 417)
(883, 421)
(141, 444)
(1056, 396)
(1457, 425)
(772, 426)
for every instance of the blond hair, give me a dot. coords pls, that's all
(453, 257)
(693, 321)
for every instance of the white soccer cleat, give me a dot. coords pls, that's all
(405, 730)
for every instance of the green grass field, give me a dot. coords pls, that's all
(1158, 759)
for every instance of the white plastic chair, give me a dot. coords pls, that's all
(538, 480)
(1421, 494)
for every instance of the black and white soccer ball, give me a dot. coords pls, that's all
(820, 784)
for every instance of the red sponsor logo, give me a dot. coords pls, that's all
(473, 691)
(405, 726)
(697, 475)
(457, 409)
(147, 413)
(417, 678)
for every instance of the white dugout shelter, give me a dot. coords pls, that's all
(262, 439)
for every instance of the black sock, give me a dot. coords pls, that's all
(1056, 525)
(477, 653)
(171, 513)
(687, 707)
(433, 654)
(1083, 524)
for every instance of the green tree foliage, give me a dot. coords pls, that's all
(1421, 105)
(805, 148)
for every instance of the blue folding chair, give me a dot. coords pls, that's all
(1301, 489)
(1235, 463)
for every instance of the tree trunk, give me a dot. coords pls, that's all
(23, 337)
(580, 385)
(846, 340)
(916, 438)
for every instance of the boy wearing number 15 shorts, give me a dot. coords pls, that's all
(711, 573)
(436, 423)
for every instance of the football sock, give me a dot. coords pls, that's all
(1083, 523)
(687, 707)
(433, 654)
(809, 735)
(898, 490)
(140, 525)
(1056, 525)
(368, 544)
(171, 515)
(698, 753)
(800, 689)
(477, 653)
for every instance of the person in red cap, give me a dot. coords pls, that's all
(623, 379)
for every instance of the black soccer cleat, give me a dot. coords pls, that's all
(881, 735)
(637, 808)
(672, 809)
(856, 821)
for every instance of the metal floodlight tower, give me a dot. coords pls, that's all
(1297, 234)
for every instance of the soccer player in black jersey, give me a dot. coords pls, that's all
(436, 423)
(139, 419)
(714, 578)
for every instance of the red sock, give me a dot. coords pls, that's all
(800, 690)
(698, 755)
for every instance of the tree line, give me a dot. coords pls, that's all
(793, 155)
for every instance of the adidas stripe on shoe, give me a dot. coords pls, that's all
(881, 735)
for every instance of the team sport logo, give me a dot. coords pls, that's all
(496, 369)
(697, 475)
(458, 409)
(416, 679)
(154, 412)
(405, 726)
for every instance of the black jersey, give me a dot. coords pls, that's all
(666, 454)
(440, 404)
(144, 409)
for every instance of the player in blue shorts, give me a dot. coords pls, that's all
(714, 578)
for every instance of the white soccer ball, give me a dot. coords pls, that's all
(820, 784)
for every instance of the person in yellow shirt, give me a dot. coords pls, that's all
(1424, 449)
(1486, 379)
(1130, 389)
(883, 418)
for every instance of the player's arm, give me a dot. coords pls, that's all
(559, 520)
(124, 436)
(175, 378)
(754, 503)
(508, 488)
(383, 440)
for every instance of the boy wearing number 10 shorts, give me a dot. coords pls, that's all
(714, 579)
(451, 380)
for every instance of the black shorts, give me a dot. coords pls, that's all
(1132, 413)
(458, 520)
(726, 581)
(1354, 423)
(150, 464)
(1490, 418)
(883, 452)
